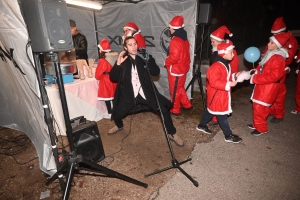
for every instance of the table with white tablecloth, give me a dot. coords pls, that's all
(82, 100)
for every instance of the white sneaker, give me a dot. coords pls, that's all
(107, 116)
(294, 112)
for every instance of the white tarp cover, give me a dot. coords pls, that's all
(152, 17)
(21, 107)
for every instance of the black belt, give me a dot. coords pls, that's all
(105, 72)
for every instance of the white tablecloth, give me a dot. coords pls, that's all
(82, 100)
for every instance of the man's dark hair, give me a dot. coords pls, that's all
(72, 23)
(126, 39)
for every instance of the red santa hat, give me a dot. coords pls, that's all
(141, 43)
(220, 33)
(104, 45)
(225, 47)
(177, 22)
(278, 25)
(281, 39)
(297, 57)
(132, 26)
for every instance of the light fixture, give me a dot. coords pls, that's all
(84, 3)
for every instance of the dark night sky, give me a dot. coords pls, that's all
(253, 13)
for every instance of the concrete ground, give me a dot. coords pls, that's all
(264, 167)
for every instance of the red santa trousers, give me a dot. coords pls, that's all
(260, 115)
(277, 108)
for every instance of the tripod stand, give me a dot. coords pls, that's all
(175, 163)
(74, 161)
(197, 72)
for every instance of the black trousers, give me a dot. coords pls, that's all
(222, 120)
(108, 106)
(123, 108)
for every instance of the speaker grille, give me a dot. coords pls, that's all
(87, 142)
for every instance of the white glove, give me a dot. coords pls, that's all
(297, 71)
(244, 75)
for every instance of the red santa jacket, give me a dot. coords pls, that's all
(266, 80)
(178, 60)
(107, 88)
(218, 89)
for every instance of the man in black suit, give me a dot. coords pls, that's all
(135, 87)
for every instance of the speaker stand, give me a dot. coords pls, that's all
(175, 163)
(74, 161)
(197, 74)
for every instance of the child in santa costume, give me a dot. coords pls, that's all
(267, 77)
(107, 88)
(178, 64)
(218, 87)
(277, 108)
(297, 93)
(131, 29)
(216, 38)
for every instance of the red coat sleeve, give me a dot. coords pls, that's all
(174, 53)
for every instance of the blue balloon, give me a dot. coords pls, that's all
(252, 54)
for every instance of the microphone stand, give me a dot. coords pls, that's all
(175, 163)
(73, 160)
(197, 74)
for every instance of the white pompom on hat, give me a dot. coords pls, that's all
(104, 45)
(219, 34)
(278, 25)
(225, 47)
(177, 22)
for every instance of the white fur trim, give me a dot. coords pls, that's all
(230, 35)
(227, 87)
(130, 28)
(173, 73)
(278, 31)
(107, 50)
(226, 50)
(260, 102)
(176, 27)
(216, 38)
(275, 41)
(220, 113)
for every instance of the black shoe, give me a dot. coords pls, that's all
(175, 114)
(233, 138)
(188, 108)
(256, 133)
(275, 120)
(204, 129)
(251, 126)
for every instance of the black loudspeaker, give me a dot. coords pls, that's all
(48, 25)
(87, 142)
(204, 13)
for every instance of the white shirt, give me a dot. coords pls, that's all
(136, 84)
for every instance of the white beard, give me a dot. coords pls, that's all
(214, 48)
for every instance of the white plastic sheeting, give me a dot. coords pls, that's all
(21, 106)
